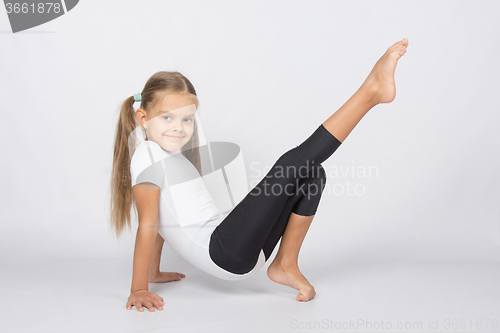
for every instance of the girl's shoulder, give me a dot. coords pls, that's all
(146, 154)
(146, 163)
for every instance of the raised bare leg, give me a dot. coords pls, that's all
(284, 269)
(379, 87)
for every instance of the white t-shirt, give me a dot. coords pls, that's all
(187, 212)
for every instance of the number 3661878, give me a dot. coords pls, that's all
(41, 7)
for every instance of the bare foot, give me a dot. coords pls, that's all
(380, 82)
(161, 277)
(291, 276)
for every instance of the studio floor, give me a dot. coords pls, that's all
(89, 295)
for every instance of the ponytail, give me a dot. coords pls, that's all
(121, 187)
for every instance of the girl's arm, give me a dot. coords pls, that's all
(146, 200)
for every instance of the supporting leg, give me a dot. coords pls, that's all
(291, 242)
(284, 268)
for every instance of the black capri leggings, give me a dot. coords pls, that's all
(294, 184)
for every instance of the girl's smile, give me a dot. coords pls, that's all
(174, 138)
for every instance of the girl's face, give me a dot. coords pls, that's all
(173, 123)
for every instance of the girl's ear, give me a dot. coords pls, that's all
(142, 117)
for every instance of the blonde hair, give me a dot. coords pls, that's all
(156, 87)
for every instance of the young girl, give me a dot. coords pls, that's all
(162, 175)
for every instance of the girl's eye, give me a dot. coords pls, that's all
(187, 120)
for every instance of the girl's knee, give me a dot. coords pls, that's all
(288, 158)
(318, 173)
(319, 177)
(294, 165)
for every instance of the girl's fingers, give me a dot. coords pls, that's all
(150, 306)
(156, 300)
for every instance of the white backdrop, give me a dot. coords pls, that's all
(267, 74)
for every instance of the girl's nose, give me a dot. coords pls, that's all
(177, 125)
